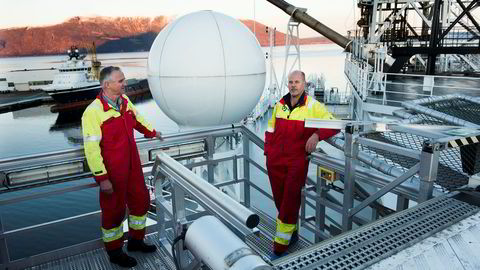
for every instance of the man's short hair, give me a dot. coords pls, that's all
(106, 72)
(303, 75)
(298, 71)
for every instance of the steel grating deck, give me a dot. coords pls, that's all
(369, 244)
(354, 250)
(450, 175)
(98, 259)
(460, 108)
(263, 243)
(456, 247)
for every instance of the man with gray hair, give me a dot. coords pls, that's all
(287, 144)
(112, 155)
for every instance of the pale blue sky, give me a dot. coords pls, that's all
(337, 14)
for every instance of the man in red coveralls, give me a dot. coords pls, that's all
(287, 143)
(112, 156)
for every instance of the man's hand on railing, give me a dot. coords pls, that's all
(159, 136)
(311, 144)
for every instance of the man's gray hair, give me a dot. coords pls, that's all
(106, 73)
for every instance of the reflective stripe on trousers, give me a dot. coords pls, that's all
(137, 222)
(112, 234)
(284, 232)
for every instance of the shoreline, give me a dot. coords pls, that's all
(326, 42)
(18, 100)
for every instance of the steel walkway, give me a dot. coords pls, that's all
(98, 259)
(368, 245)
(446, 223)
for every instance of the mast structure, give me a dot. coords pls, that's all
(95, 63)
(423, 36)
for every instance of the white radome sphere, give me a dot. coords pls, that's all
(206, 68)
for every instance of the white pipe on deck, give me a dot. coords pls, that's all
(211, 241)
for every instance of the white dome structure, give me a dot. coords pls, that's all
(206, 68)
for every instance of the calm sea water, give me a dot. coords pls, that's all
(37, 130)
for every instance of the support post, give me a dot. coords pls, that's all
(402, 203)
(428, 170)
(246, 171)
(434, 37)
(159, 209)
(4, 256)
(179, 220)
(320, 209)
(351, 151)
(210, 150)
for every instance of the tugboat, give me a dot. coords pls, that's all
(76, 79)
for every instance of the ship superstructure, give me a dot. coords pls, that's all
(75, 80)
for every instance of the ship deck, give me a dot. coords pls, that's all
(97, 258)
(344, 223)
(438, 234)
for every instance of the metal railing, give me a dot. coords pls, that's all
(184, 183)
(172, 181)
(334, 97)
(415, 183)
(392, 89)
(148, 150)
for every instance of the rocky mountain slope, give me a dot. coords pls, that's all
(120, 34)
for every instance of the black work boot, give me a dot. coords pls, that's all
(139, 245)
(119, 257)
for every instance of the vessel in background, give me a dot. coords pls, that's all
(76, 80)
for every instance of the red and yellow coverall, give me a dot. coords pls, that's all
(112, 154)
(287, 162)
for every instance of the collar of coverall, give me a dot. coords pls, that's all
(107, 107)
(287, 97)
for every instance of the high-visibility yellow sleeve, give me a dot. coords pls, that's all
(270, 130)
(142, 125)
(92, 135)
(320, 111)
(271, 121)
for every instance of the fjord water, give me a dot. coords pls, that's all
(37, 130)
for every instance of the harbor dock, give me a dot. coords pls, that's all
(18, 100)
